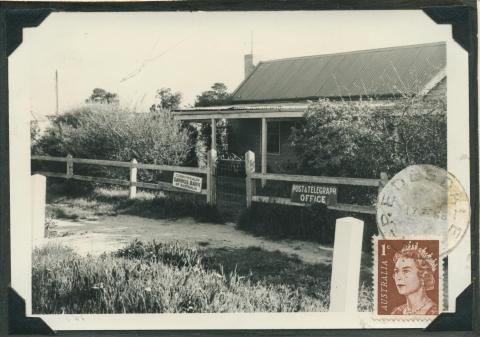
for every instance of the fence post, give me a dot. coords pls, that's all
(264, 149)
(133, 180)
(39, 187)
(347, 253)
(211, 173)
(69, 166)
(249, 169)
(383, 181)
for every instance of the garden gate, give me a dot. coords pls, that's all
(231, 186)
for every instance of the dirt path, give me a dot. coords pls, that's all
(109, 233)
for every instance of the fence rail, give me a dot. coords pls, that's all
(252, 197)
(133, 166)
(317, 179)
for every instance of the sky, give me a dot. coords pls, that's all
(134, 54)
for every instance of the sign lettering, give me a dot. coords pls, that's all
(314, 194)
(187, 182)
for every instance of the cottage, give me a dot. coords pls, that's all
(275, 94)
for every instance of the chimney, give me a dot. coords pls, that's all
(248, 59)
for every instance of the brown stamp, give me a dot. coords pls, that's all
(407, 278)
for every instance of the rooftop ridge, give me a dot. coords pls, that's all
(353, 52)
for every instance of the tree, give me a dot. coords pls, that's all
(168, 100)
(100, 95)
(218, 95)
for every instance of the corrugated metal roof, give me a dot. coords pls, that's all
(374, 73)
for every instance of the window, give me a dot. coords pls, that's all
(273, 138)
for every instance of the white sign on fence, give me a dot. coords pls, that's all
(187, 182)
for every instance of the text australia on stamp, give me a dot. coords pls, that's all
(422, 214)
(407, 278)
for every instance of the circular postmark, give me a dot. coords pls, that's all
(422, 201)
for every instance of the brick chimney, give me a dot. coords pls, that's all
(248, 59)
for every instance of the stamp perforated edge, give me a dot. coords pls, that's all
(410, 318)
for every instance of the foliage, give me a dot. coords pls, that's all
(311, 223)
(364, 138)
(50, 225)
(222, 141)
(34, 133)
(108, 132)
(217, 95)
(100, 95)
(66, 283)
(173, 254)
(99, 201)
(168, 100)
(315, 223)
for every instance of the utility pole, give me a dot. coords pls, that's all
(56, 91)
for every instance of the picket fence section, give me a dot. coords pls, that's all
(132, 183)
(252, 197)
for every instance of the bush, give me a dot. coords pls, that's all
(364, 138)
(314, 223)
(104, 131)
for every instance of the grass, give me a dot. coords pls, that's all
(102, 201)
(171, 278)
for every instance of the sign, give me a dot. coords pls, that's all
(314, 194)
(187, 182)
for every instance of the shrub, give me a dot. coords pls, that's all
(105, 131)
(34, 133)
(314, 223)
(364, 138)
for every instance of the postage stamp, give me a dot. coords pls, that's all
(424, 200)
(407, 278)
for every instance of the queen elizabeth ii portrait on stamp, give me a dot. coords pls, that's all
(407, 277)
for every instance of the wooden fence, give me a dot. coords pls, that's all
(133, 166)
(252, 197)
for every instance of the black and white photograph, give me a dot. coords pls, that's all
(237, 165)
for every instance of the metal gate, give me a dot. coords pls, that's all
(231, 186)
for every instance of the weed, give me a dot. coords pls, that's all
(111, 202)
(169, 278)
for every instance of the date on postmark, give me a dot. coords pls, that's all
(407, 278)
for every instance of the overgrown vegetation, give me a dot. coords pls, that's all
(100, 201)
(315, 223)
(107, 131)
(171, 278)
(364, 138)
